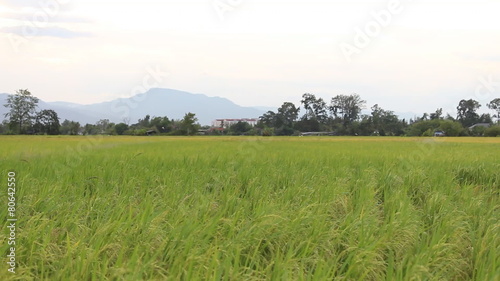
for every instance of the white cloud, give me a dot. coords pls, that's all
(262, 52)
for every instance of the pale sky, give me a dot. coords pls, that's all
(404, 55)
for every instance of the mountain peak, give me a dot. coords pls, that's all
(155, 102)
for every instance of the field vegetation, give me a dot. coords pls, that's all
(244, 208)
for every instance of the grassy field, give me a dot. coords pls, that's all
(238, 208)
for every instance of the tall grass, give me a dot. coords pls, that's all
(125, 208)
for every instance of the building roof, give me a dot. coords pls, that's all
(238, 119)
(480, 125)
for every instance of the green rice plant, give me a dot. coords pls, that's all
(249, 208)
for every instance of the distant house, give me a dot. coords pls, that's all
(224, 123)
(439, 134)
(485, 125)
(202, 132)
(150, 132)
(317, 134)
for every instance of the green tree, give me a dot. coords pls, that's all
(429, 127)
(267, 132)
(120, 128)
(4, 127)
(422, 128)
(347, 107)
(22, 111)
(315, 117)
(268, 119)
(104, 126)
(451, 128)
(161, 124)
(437, 115)
(477, 131)
(70, 127)
(493, 131)
(385, 122)
(188, 124)
(145, 123)
(377, 117)
(466, 112)
(240, 128)
(315, 108)
(47, 122)
(88, 129)
(365, 126)
(308, 125)
(424, 117)
(449, 117)
(287, 114)
(285, 118)
(495, 106)
(485, 118)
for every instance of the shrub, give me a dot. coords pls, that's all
(492, 131)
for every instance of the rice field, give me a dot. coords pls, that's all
(242, 208)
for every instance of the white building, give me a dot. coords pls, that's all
(225, 123)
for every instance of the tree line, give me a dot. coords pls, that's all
(341, 116)
(23, 118)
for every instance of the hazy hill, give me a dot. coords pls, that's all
(155, 102)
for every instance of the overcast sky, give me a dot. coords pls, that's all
(404, 55)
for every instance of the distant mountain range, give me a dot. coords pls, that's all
(158, 102)
(155, 102)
